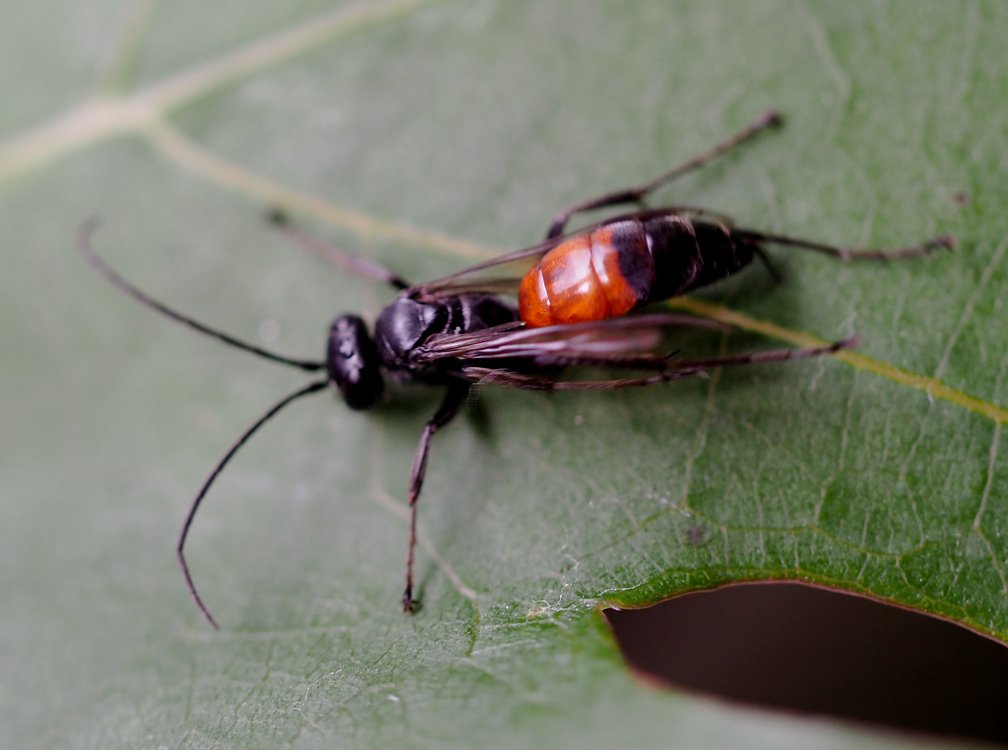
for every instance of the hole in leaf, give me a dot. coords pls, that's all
(808, 649)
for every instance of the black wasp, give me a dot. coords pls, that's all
(573, 311)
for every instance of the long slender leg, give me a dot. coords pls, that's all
(945, 241)
(676, 369)
(638, 193)
(348, 262)
(198, 500)
(453, 400)
(770, 355)
(767, 263)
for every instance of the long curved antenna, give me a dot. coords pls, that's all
(84, 245)
(306, 390)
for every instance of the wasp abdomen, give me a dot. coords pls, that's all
(600, 274)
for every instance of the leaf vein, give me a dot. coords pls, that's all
(967, 312)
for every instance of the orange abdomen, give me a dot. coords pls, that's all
(600, 274)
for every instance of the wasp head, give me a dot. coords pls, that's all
(352, 362)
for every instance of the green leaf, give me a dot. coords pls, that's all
(424, 135)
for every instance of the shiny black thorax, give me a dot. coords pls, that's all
(355, 360)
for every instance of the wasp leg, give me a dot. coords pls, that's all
(945, 241)
(347, 261)
(640, 192)
(453, 400)
(769, 355)
(768, 264)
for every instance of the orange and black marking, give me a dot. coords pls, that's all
(600, 274)
(623, 264)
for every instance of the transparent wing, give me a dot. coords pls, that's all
(501, 275)
(533, 358)
(633, 341)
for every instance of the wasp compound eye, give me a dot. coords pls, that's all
(352, 362)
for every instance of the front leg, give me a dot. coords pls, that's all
(450, 406)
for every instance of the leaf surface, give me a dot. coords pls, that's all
(427, 135)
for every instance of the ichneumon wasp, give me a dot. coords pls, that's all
(577, 297)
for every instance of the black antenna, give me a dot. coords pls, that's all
(84, 245)
(306, 390)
